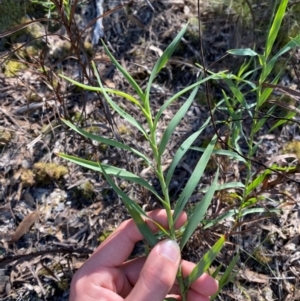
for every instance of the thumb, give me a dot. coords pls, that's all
(158, 274)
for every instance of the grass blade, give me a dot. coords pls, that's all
(132, 82)
(270, 65)
(134, 209)
(288, 117)
(257, 181)
(120, 111)
(185, 146)
(237, 93)
(229, 185)
(242, 52)
(99, 89)
(177, 95)
(106, 141)
(199, 212)
(205, 262)
(221, 152)
(175, 120)
(228, 275)
(162, 62)
(194, 179)
(275, 27)
(217, 271)
(112, 170)
(235, 212)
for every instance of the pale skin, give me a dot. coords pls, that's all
(108, 276)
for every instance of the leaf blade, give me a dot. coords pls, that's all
(134, 209)
(199, 212)
(185, 146)
(275, 27)
(111, 170)
(132, 82)
(162, 61)
(106, 141)
(175, 120)
(194, 179)
(205, 262)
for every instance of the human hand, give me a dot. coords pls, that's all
(107, 276)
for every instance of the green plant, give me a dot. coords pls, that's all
(248, 97)
(158, 148)
(249, 196)
(245, 99)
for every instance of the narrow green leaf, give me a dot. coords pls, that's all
(259, 125)
(275, 27)
(112, 170)
(184, 147)
(217, 271)
(252, 201)
(229, 185)
(107, 141)
(107, 90)
(270, 65)
(252, 152)
(221, 152)
(177, 95)
(257, 181)
(235, 212)
(162, 61)
(228, 272)
(134, 209)
(244, 71)
(194, 179)
(132, 82)
(242, 52)
(288, 117)
(228, 275)
(175, 120)
(124, 95)
(237, 93)
(205, 262)
(143, 227)
(120, 111)
(199, 212)
(264, 96)
(234, 114)
(266, 92)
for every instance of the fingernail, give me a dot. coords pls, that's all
(169, 249)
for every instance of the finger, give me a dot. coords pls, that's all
(194, 296)
(203, 286)
(117, 248)
(89, 290)
(158, 274)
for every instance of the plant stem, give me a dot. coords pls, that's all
(165, 190)
(180, 280)
(159, 173)
(167, 204)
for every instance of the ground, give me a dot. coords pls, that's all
(53, 214)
